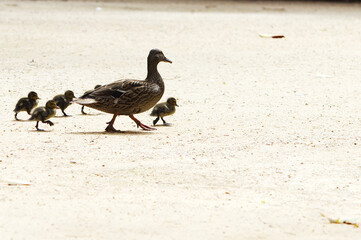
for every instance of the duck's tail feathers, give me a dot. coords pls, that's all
(84, 101)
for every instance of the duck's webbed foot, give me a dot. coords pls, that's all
(110, 127)
(141, 125)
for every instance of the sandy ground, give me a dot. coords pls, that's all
(266, 139)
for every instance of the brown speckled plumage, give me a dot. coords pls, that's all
(128, 97)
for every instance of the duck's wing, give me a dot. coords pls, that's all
(122, 90)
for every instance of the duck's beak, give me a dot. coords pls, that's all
(57, 107)
(167, 60)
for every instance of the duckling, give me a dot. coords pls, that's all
(82, 108)
(26, 104)
(164, 109)
(44, 113)
(129, 97)
(64, 100)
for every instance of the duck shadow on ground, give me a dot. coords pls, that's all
(164, 125)
(113, 133)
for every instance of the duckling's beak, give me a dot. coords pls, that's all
(177, 105)
(167, 60)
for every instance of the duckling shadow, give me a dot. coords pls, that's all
(40, 131)
(112, 133)
(20, 120)
(89, 114)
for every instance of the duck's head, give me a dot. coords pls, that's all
(69, 94)
(33, 95)
(172, 101)
(156, 55)
(51, 104)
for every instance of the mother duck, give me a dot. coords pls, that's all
(129, 97)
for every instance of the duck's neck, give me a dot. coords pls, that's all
(153, 74)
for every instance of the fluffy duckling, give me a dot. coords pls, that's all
(64, 100)
(164, 109)
(26, 104)
(82, 108)
(44, 113)
(129, 97)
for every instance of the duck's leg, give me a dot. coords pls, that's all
(155, 121)
(110, 127)
(139, 124)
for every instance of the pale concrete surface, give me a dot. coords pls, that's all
(267, 137)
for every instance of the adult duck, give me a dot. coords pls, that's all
(129, 97)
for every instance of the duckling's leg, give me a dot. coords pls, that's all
(82, 110)
(139, 124)
(110, 127)
(164, 122)
(155, 121)
(66, 115)
(37, 126)
(16, 118)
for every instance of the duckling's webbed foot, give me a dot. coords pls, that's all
(155, 121)
(139, 124)
(49, 122)
(65, 115)
(164, 122)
